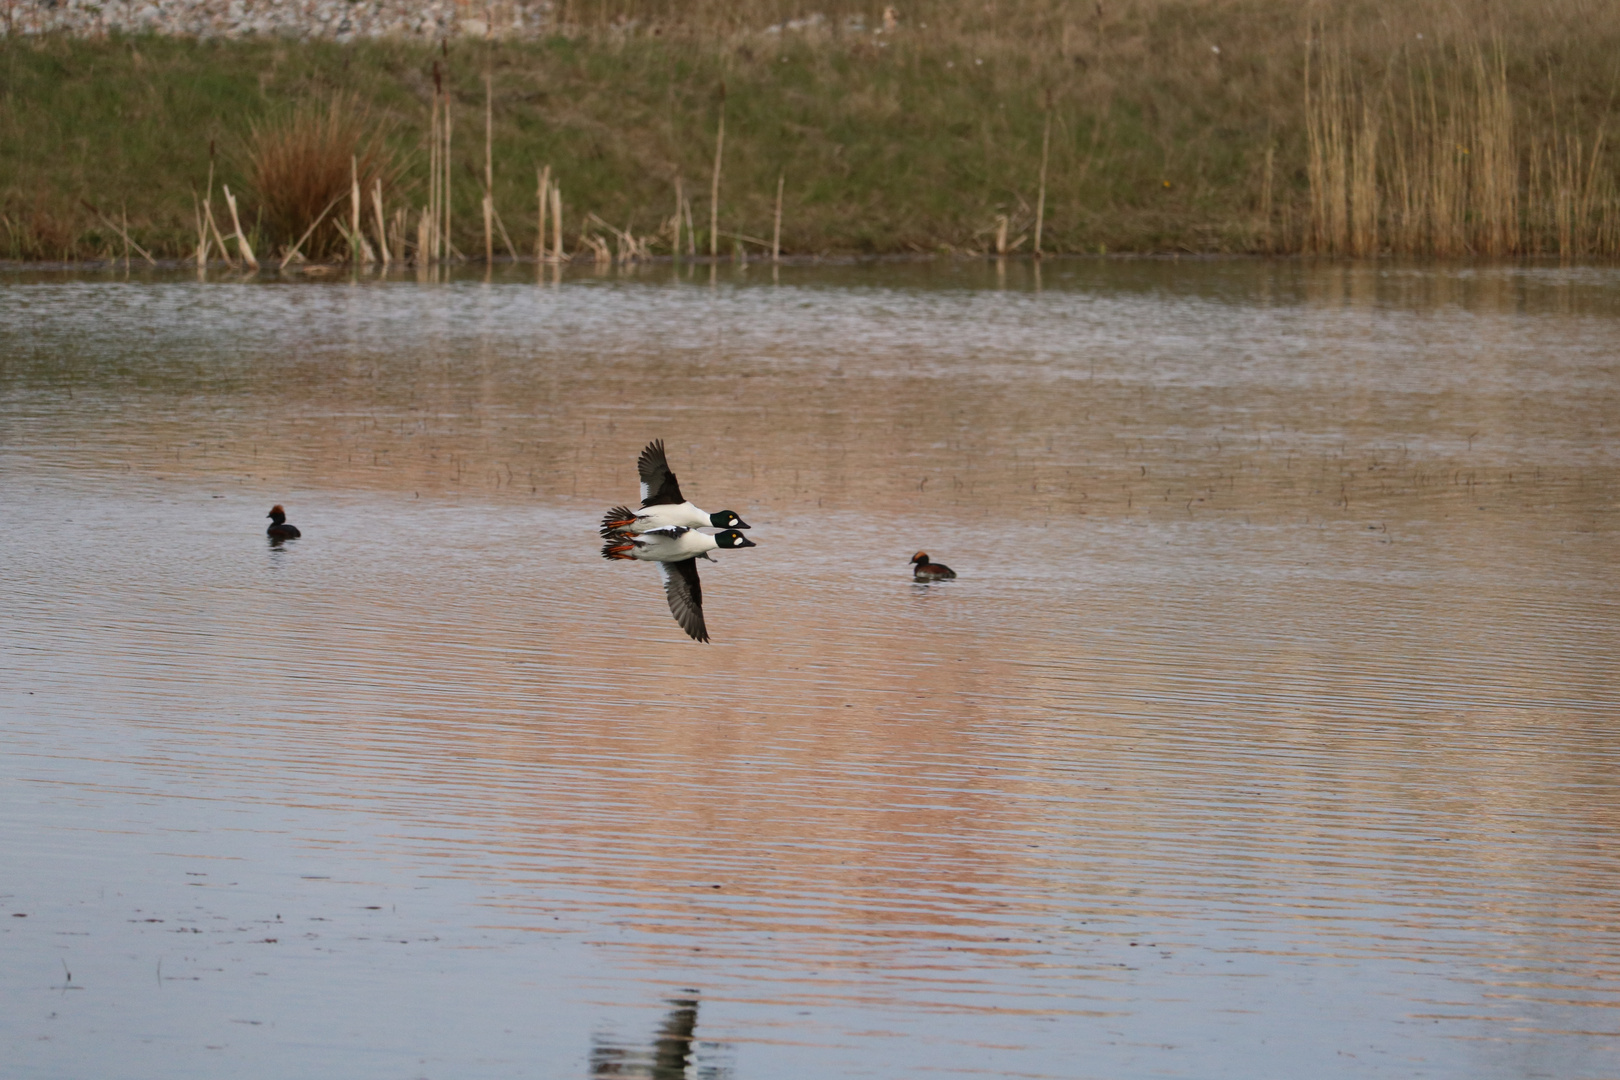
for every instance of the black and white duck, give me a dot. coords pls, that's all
(676, 550)
(662, 504)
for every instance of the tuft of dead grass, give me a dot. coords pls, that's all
(41, 230)
(300, 163)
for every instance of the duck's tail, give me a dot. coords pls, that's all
(616, 520)
(618, 547)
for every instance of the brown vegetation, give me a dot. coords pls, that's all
(1418, 157)
(301, 165)
(1425, 127)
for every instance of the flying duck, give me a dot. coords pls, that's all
(279, 529)
(676, 550)
(930, 571)
(662, 504)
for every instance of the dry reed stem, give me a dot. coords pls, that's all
(355, 239)
(292, 252)
(1325, 138)
(542, 180)
(243, 248)
(424, 237)
(1363, 185)
(1040, 202)
(219, 238)
(630, 249)
(202, 232)
(557, 224)
(776, 233)
(123, 232)
(396, 231)
(1495, 161)
(1265, 201)
(680, 201)
(427, 248)
(382, 230)
(714, 190)
(208, 206)
(489, 168)
(487, 204)
(597, 247)
(446, 245)
(506, 237)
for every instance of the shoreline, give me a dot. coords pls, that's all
(466, 269)
(942, 139)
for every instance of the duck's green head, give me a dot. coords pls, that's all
(731, 538)
(727, 519)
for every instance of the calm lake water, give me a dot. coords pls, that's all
(1270, 730)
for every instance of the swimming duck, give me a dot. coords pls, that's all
(930, 571)
(279, 529)
(676, 550)
(662, 504)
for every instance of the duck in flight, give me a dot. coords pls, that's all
(676, 549)
(662, 504)
(279, 529)
(930, 571)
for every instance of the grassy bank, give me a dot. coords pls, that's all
(1169, 125)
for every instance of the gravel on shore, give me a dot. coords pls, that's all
(335, 20)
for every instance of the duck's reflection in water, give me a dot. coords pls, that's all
(672, 1055)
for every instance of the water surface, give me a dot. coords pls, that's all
(1269, 729)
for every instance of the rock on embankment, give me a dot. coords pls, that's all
(338, 20)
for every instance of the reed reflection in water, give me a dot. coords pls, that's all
(669, 1057)
(1269, 728)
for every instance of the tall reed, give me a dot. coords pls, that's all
(714, 190)
(776, 229)
(543, 196)
(382, 225)
(1424, 154)
(489, 169)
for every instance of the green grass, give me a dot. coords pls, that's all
(911, 142)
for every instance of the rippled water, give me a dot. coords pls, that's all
(1270, 729)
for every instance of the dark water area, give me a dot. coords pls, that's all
(1271, 727)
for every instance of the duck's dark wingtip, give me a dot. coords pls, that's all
(653, 453)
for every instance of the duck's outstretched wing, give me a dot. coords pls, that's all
(685, 593)
(658, 484)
